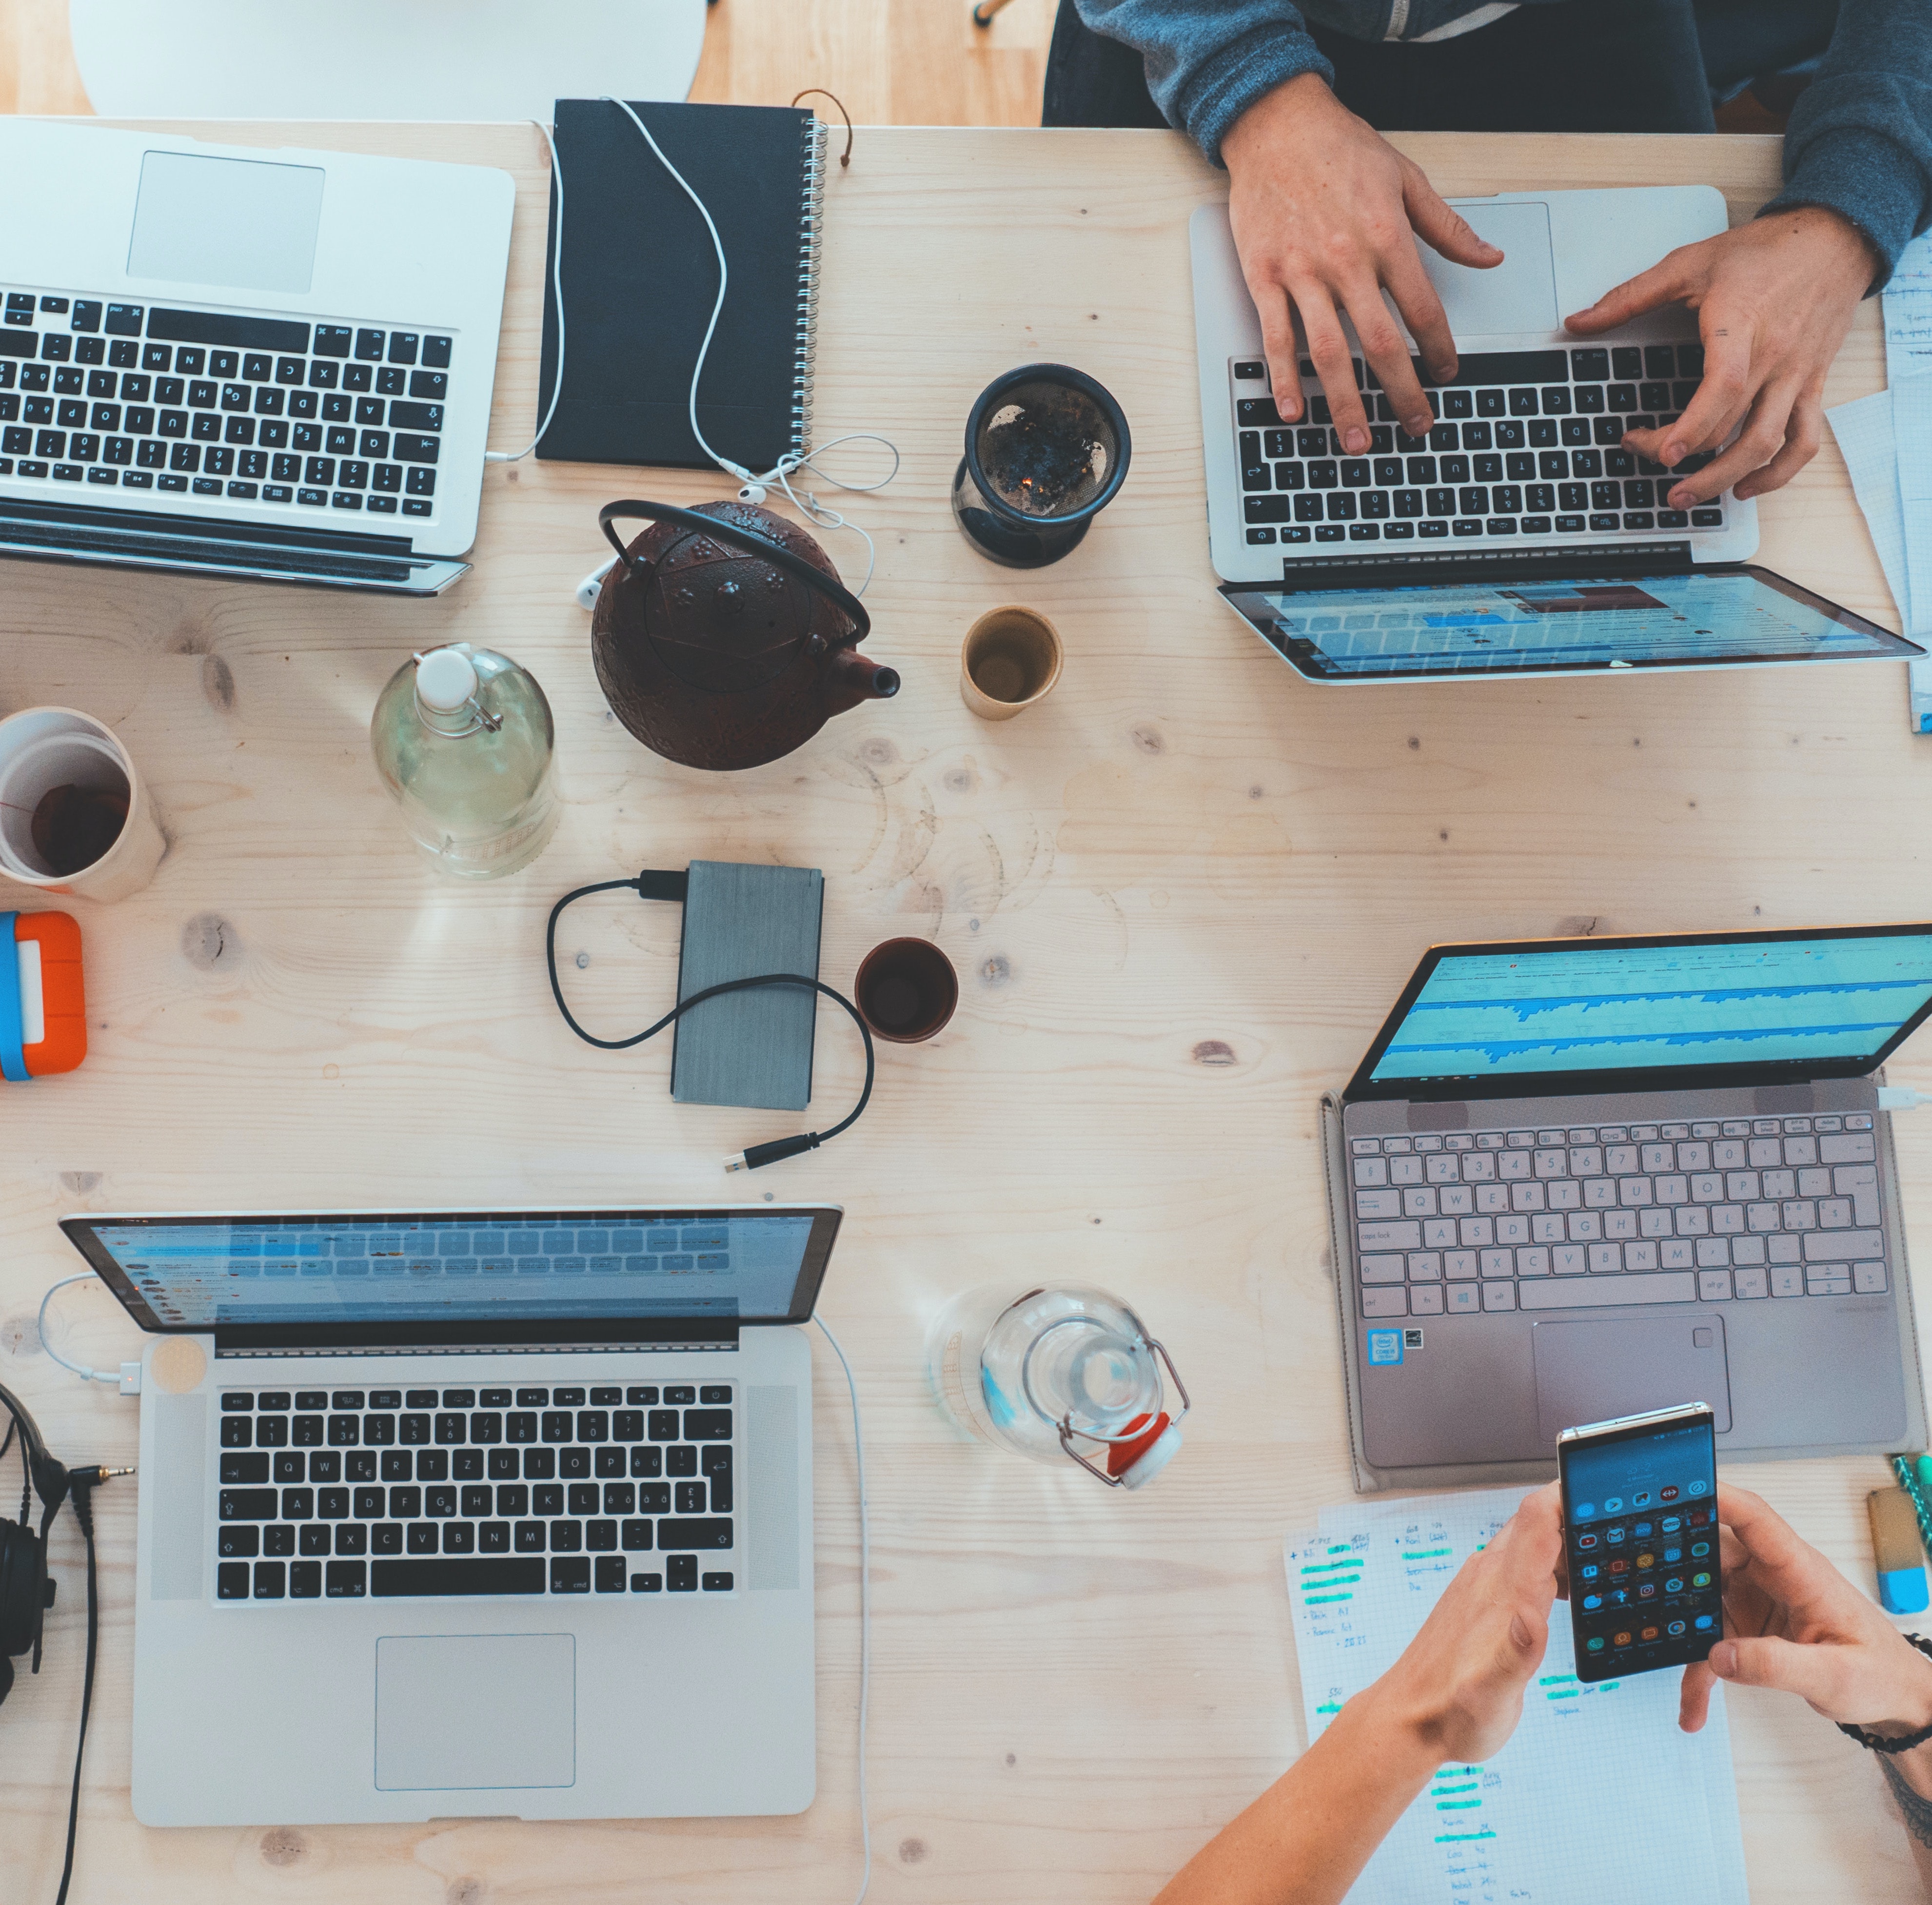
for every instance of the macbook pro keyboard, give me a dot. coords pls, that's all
(350, 1494)
(1525, 443)
(226, 407)
(1706, 1211)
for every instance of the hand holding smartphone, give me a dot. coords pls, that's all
(1640, 1534)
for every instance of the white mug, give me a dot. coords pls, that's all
(42, 748)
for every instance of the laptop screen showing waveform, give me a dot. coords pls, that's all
(1592, 1008)
(527, 1266)
(1471, 627)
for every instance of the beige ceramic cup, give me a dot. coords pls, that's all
(42, 749)
(1009, 661)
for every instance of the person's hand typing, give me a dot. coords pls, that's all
(1793, 1621)
(1458, 1685)
(1773, 300)
(1325, 214)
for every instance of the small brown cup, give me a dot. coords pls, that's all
(1010, 660)
(906, 990)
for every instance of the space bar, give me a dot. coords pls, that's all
(1589, 1292)
(486, 1574)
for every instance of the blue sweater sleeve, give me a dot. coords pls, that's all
(1860, 138)
(1208, 60)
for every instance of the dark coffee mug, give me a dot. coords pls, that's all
(906, 990)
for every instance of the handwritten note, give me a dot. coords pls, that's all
(1908, 314)
(1596, 1787)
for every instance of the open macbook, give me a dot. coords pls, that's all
(252, 361)
(1520, 536)
(483, 1513)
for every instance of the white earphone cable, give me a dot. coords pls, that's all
(725, 463)
(807, 504)
(865, 1610)
(556, 291)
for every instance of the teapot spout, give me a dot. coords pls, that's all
(852, 678)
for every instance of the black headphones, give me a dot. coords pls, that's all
(25, 1592)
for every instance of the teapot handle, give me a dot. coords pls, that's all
(795, 566)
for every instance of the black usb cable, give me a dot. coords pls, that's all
(649, 885)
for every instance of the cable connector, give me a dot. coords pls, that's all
(130, 1378)
(755, 1157)
(93, 1476)
(1901, 1098)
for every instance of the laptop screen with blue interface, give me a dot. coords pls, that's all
(1698, 618)
(202, 1273)
(1586, 1007)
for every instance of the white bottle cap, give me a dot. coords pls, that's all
(445, 679)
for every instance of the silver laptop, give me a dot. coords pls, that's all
(472, 1513)
(1576, 1179)
(1520, 537)
(272, 364)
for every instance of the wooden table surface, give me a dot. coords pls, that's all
(1180, 895)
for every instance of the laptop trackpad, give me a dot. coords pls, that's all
(1518, 294)
(1590, 1371)
(460, 1710)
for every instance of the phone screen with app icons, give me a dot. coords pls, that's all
(1640, 1530)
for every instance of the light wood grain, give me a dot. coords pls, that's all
(906, 62)
(1181, 894)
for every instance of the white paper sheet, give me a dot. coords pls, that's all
(1869, 433)
(1596, 1787)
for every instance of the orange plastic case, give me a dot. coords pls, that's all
(43, 1006)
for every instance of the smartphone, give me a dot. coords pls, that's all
(1640, 1529)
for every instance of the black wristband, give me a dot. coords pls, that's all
(1877, 1742)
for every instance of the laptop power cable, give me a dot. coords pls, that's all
(864, 1609)
(1901, 1098)
(127, 1374)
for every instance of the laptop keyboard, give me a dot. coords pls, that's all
(1526, 443)
(1705, 1212)
(349, 1494)
(223, 406)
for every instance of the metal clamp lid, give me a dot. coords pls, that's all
(1148, 1429)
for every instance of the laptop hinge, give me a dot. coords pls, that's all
(1412, 570)
(630, 1337)
(118, 538)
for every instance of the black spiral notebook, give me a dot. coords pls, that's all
(640, 276)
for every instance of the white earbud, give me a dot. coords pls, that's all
(753, 493)
(593, 585)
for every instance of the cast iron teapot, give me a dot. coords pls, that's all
(723, 636)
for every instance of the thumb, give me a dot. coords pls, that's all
(1812, 1673)
(1443, 228)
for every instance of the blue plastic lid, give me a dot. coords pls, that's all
(1902, 1591)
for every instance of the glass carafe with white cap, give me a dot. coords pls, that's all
(1058, 1375)
(462, 738)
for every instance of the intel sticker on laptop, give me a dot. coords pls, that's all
(1384, 1347)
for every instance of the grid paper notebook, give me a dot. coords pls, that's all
(641, 276)
(1597, 1787)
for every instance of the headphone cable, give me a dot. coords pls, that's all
(80, 1493)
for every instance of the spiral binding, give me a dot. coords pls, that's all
(805, 338)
